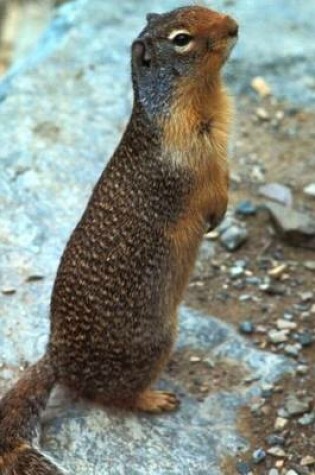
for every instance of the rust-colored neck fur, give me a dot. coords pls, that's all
(196, 140)
(196, 137)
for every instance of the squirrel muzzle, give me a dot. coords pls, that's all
(141, 54)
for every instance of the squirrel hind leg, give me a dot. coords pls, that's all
(156, 402)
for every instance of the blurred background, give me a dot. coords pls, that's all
(21, 24)
(65, 97)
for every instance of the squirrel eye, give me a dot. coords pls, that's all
(182, 39)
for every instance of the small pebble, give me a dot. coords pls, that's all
(260, 85)
(212, 235)
(256, 406)
(274, 439)
(276, 452)
(280, 423)
(276, 272)
(234, 237)
(262, 114)
(245, 298)
(273, 471)
(305, 339)
(266, 390)
(292, 350)
(35, 277)
(257, 174)
(279, 115)
(259, 455)
(243, 468)
(302, 369)
(310, 190)
(247, 327)
(295, 406)
(273, 288)
(246, 208)
(310, 265)
(278, 336)
(307, 460)
(306, 296)
(253, 280)
(236, 272)
(277, 192)
(287, 316)
(282, 412)
(8, 290)
(279, 463)
(292, 472)
(286, 324)
(307, 419)
(194, 359)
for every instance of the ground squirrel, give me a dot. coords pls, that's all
(126, 265)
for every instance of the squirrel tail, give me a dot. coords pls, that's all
(20, 412)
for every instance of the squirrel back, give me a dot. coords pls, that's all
(126, 265)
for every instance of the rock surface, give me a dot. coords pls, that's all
(62, 111)
(295, 227)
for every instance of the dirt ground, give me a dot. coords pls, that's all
(268, 151)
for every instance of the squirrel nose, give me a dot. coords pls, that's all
(140, 52)
(232, 27)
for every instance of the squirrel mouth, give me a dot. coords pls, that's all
(223, 46)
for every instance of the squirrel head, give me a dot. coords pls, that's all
(187, 44)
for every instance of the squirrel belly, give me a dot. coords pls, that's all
(126, 265)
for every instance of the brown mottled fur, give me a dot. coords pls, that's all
(126, 265)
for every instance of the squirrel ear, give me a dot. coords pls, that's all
(153, 17)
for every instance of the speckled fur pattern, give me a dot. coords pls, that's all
(111, 291)
(125, 268)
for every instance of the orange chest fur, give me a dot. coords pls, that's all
(202, 153)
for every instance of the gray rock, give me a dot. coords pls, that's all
(203, 265)
(274, 439)
(253, 280)
(271, 287)
(246, 208)
(276, 452)
(306, 296)
(96, 436)
(278, 336)
(302, 369)
(307, 419)
(295, 406)
(310, 265)
(247, 327)
(243, 468)
(280, 423)
(236, 272)
(258, 455)
(310, 190)
(282, 413)
(233, 237)
(293, 226)
(292, 350)
(277, 192)
(305, 339)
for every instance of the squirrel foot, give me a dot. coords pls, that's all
(156, 402)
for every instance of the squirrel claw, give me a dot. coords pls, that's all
(157, 402)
